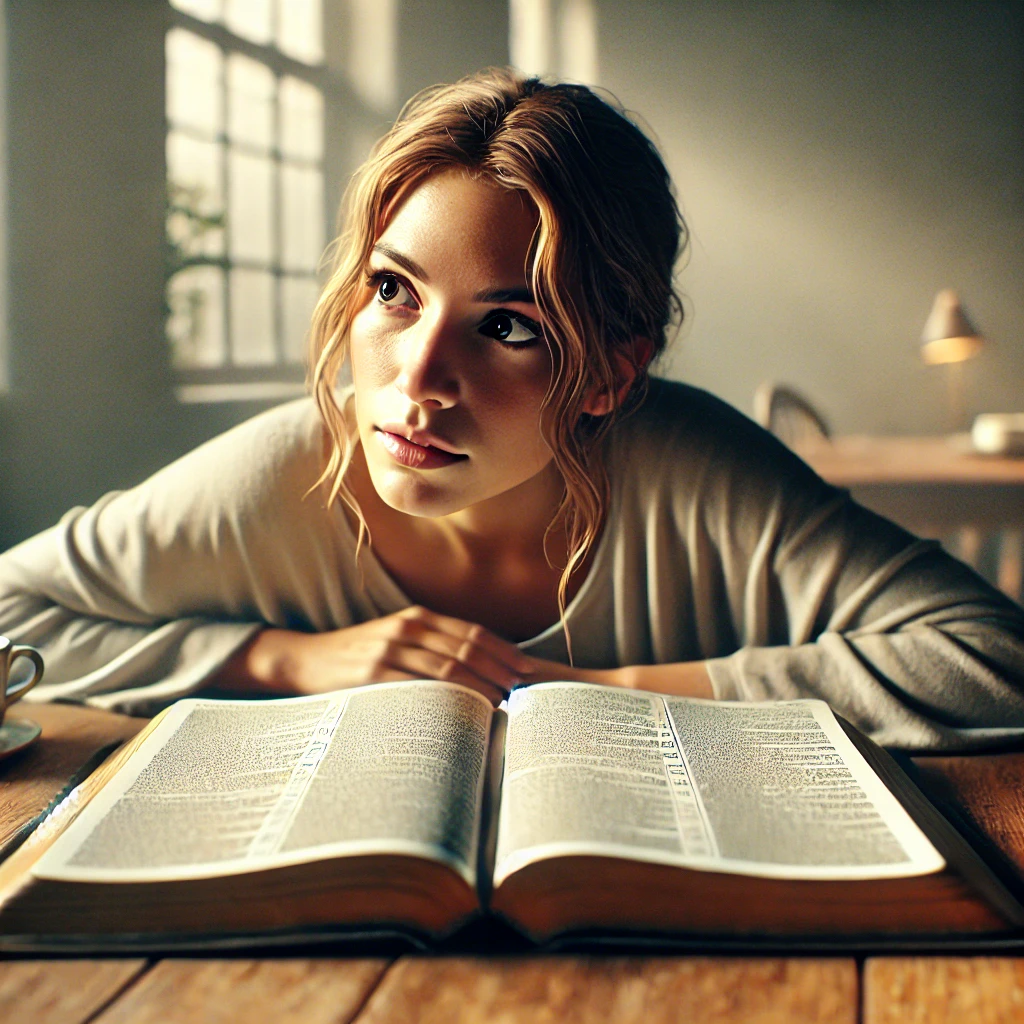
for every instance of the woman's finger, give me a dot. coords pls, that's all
(501, 650)
(466, 651)
(427, 664)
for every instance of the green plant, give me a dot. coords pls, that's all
(189, 223)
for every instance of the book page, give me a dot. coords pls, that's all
(773, 789)
(229, 786)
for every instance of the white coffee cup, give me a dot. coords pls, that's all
(9, 654)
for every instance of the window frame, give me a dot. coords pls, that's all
(234, 381)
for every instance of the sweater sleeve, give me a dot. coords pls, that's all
(829, 600)
(137, 600)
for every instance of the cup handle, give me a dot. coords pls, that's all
(19, 691)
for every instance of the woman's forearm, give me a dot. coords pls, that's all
(681, 679)
(262, 665)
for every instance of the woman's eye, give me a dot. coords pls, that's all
(510, 329)
(391, 291)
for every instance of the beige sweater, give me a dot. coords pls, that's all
(720, 544)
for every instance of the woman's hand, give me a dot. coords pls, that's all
(414, 643)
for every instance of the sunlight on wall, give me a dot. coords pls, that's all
(577, 36)
(529, 35)
(554, 37)
(372, 49)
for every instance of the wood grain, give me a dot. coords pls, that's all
(61, 991)
(646, 990)
(72, 737)
(987, 789)
(936, 990)
(254, 991)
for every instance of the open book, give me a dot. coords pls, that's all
(416, 807)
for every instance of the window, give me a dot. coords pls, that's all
(246, 223)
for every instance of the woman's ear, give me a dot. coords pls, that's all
(628, 363)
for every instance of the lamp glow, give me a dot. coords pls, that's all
(949, 339)
(949, 336)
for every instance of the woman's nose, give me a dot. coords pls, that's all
(426, 364)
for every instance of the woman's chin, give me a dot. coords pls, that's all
(415, 496)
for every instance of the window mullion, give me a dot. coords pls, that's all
(281, 64)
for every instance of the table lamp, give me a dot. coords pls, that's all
(950, 339)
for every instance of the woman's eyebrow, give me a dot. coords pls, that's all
(490, 295)
(403, 261)
(505, 295)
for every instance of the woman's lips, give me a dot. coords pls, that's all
(416, 456)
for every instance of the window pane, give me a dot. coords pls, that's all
(196, 206)
(251, 19)
(194, 69)
(300, 31)
(298, 297)
(302, 120)
(249, 206)
(195, 326)
(250, 102)
(252, 317)
(302, 217)
(208, 10)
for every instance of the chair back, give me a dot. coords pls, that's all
(788, 414)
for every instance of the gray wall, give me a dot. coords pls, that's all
(88, 404)
(839, 161)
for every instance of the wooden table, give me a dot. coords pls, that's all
(935, 481)
(988, 789)
(936, 487)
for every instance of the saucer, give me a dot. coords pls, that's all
(16, 734)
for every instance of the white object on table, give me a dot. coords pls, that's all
(999, 433)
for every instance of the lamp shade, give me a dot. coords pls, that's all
(949, 336)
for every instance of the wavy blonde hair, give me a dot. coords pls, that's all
(600, 269)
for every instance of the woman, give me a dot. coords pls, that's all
(481, 508)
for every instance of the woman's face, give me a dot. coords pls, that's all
(448, 359)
